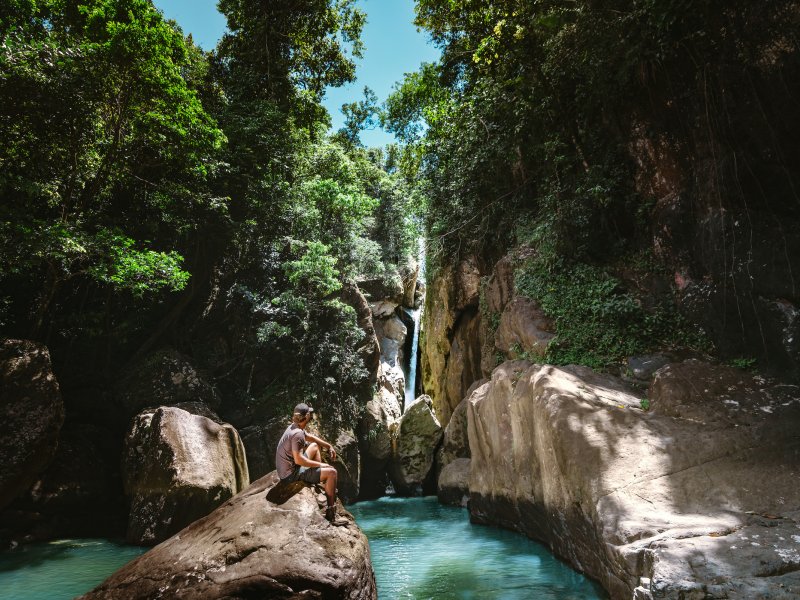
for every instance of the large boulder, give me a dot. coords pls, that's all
(702, 501)
(31, 411)
(418, 437)
(250, 548)
(164, 378)
(178, 467)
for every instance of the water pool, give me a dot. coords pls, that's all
(62, 569)
(422, 549)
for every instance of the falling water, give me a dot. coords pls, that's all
(416, 316)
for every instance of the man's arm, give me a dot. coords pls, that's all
(323, 443)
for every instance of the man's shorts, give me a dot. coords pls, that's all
(308, 474)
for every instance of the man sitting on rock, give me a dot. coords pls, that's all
(296, 461)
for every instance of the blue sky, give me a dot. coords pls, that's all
(393, 47)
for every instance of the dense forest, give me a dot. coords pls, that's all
(155, 194)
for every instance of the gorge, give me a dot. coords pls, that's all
(564, 303)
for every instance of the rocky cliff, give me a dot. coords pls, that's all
(698, 497)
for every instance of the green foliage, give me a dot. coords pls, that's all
(644, 403)
(743, 363)
(598, 322)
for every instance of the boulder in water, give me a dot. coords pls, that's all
(178, 467)
(251, 548)
(31, 411)
(418, 438)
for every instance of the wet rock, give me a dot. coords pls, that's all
(250, 548)
(164, 378)
(177, 468)
(418, 438)
(31, 411)
(701, 502)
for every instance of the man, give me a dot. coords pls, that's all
(296, 461)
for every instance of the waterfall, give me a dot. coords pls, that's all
(416, 317)
(411, 379)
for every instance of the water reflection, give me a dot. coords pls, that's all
(421, 549)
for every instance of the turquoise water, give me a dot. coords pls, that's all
(62, 569)
(422, 549)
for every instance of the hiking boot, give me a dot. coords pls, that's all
(330, 516)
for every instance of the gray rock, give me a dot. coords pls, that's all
(250, 548)
(178, 467)
(453, 486)
(418, 437)
(31, 411)
(702, 502)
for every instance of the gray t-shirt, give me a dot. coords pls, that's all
(292, 439)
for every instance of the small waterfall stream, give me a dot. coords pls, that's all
(411, 377)
(416, 317)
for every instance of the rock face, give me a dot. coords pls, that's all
(31, 411)
(178, 467)
(698, 499)
(418, 437)
(164, 378)
(451, 345)
(250, 548)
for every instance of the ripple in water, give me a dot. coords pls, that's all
(422, 549)
(62, 569)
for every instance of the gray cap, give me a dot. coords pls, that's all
(303, 409)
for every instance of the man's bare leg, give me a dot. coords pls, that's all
(313, 453)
